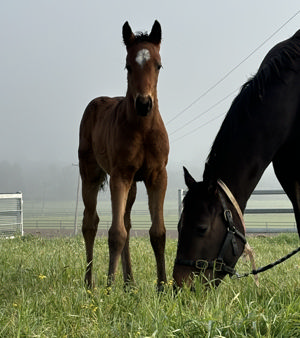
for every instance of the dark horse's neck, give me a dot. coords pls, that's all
(258, 124)
(241, 178)
(240, 183)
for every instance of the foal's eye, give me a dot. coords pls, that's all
(129, 69)
(159, 66)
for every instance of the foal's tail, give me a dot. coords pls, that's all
(91, 173)
(103, 179)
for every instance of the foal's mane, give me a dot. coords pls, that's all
(282, 58)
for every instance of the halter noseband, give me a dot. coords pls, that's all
(230, 238)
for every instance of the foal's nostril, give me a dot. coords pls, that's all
(143, 105)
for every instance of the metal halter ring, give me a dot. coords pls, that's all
(201, 264)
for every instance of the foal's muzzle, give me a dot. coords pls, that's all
(143, 105)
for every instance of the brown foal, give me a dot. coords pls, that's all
(125, 137)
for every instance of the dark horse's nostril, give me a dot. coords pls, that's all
(143, 105)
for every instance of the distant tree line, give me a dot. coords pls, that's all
(39, 181)
(42, 181)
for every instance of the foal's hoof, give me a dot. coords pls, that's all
(161, 286)
(89, 284)
(129, 286)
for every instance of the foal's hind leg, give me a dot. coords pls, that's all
(126, 261)
(287, 170)
(92, 178)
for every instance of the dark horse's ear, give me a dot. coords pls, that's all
(210, 177)
(189, 180)
(128, 36)
(155, 35)
(212, 187)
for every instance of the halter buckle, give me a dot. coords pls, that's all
(201, 264)
(228, 215)
(218, 265)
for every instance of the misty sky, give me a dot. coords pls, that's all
(58, 55)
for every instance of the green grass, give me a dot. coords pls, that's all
(42, 294)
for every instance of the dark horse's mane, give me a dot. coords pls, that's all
(282, 58)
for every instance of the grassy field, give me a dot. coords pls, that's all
(42, 294)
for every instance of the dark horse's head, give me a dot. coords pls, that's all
(143, 64)
(210, 234)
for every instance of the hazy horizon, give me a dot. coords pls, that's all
(57, 56)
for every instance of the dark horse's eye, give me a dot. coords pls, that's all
(200, 229)
(159, 66)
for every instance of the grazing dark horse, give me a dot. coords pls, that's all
(125, 137)
(262, 126)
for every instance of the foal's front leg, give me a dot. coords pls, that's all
(117, 234)
(126, 261)
(156, 188)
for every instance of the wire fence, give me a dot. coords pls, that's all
(263, 215)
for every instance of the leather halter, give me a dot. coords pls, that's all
(230, 238)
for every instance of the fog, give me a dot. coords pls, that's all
(56, 56)
(48, 182)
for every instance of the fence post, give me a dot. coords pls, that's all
(77, 199)
(180, 198)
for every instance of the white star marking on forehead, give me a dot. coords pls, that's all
(142, 57)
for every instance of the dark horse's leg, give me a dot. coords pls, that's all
(92, 178)
(126, 261)
(287, 169)
(156, 188)
(120, 184)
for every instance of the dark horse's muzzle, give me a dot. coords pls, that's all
(143, 105)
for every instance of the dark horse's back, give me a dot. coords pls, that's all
(262, 127)
(290, 45)
(286, 161)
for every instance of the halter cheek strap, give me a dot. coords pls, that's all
(234, 202)
(231, 230)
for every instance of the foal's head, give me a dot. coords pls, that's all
(143, 64)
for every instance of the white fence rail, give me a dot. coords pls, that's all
(263, 214)
(11, 214)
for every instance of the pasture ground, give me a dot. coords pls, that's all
(42, 294)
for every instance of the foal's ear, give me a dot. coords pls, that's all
(128, 36)
(189, 180)
(155, 35)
